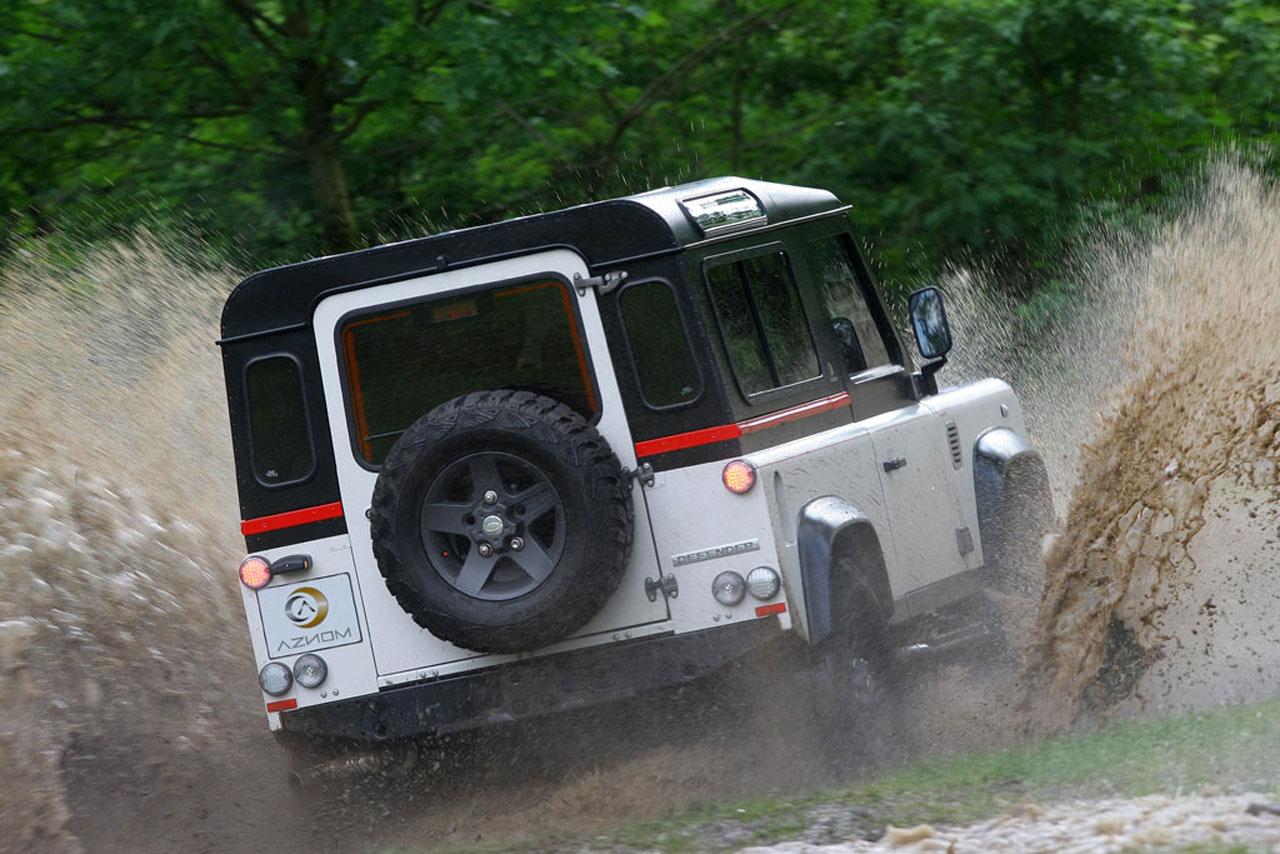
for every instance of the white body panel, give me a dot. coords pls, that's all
(351, 671)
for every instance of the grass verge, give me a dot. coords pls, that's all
(1236, 747)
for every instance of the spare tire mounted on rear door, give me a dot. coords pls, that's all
(502, 521)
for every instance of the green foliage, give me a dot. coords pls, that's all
(985, 130)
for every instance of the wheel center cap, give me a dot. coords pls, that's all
(491, 525)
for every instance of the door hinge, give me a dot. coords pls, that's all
(892, 465)
(605, 283)
(642, 473)
(664, 584)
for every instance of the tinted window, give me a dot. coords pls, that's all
(848, 316)
(404, 362)
(664, 364)
(279, 433)
(763, 322)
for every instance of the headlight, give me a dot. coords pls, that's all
(310, 670)
(763, 582)
(275, 679)
(729, 588)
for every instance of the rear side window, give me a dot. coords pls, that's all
(403, 362)
(848, 316)
(765, 331)
(659, 346)
(280, 436)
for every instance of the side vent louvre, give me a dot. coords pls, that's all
(953, 442)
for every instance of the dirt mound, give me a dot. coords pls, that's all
(1195, 412)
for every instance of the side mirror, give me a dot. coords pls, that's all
(929, 320)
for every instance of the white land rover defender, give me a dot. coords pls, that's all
(568, 458)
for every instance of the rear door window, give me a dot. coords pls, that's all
(766, 334)
(848, 316)
(402, 362)
(659, 347)
(280, 437)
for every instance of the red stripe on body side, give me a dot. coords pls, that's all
(291, 519)
(795, 413)
(724, 432)
(692, 439)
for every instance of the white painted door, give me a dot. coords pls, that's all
(923, 509)
(402, 650)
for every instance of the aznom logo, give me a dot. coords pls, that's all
(306, 607)
(327, 637)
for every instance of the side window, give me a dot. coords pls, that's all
(659, 346)
(402, 363)
(848, 315)
(758, 306)
(280, 437)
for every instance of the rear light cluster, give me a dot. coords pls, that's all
(309, 671)
(729, 587)
(256, 571)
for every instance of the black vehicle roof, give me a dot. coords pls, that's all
(604, 233)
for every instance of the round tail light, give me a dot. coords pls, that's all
(728, 588)
(310, 670)
(255, 572)
(763, 583)
(275, 679)
(739, 476)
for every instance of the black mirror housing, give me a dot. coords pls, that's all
(929, 321)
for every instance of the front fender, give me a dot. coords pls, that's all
(1011, 488)
(831, 527)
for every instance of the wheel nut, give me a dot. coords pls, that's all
(517, 543)
(490, 497)
(485, 549)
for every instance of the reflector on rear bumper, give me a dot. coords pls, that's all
(282, 705)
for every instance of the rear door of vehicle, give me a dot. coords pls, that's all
(391, 352)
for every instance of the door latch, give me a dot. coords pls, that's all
(891, 465)
(664, 584)
(605, 283)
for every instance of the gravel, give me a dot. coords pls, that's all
(1087, 827)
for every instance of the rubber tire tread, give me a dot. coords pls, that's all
(603, 503)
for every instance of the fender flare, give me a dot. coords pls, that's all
(1008, 473)
(830, 526)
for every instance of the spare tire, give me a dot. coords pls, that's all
(502, 521)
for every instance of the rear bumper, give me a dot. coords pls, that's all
(528, 689)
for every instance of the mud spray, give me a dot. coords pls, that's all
(131, 719)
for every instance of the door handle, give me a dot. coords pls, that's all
(890, 465)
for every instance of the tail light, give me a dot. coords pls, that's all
(255, 572)
(739, 476)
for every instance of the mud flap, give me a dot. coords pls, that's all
(830, 526)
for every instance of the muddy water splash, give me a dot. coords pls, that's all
(1158, 593)
(115, 657)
